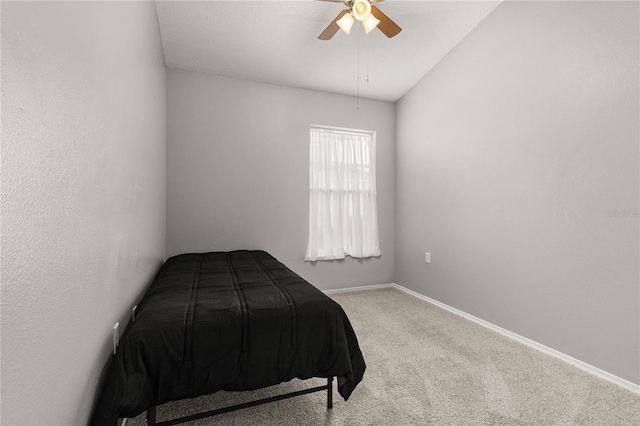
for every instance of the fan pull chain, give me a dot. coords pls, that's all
(367, 37)
(358, 70)
(358, 82)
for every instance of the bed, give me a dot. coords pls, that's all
(232, 321)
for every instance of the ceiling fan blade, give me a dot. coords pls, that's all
(386, 25)
(333, 28)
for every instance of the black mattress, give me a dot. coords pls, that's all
(231, 321)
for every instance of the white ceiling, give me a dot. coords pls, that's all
(277, 42)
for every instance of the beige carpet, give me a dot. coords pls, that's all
(427, 366)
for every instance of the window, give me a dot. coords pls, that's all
(343, 217)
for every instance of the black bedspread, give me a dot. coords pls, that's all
(226, 321)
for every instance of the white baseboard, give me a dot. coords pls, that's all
(362, 287)
(520, 339)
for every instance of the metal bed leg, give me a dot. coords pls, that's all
(151, 416)
(151, 412)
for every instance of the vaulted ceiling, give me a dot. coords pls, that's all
(277, 42)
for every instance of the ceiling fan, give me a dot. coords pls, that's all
(362, 10)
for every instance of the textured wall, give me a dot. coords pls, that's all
(238, 171)
(83, 194)
(517, 168)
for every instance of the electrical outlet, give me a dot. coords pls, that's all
(427, 257)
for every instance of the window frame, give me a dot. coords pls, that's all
(371, 184)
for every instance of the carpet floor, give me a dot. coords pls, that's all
(427, 366)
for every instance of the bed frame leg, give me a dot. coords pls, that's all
(151, 416)
(151, 412)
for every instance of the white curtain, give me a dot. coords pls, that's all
(343, 216)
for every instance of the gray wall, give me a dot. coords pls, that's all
(512, 156)
(83, 194)
(238, 171)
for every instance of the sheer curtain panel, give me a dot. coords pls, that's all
(343, 217)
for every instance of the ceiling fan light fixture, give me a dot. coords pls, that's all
(346, 22)
(370, 23)
(361, 9)
(364, 11)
